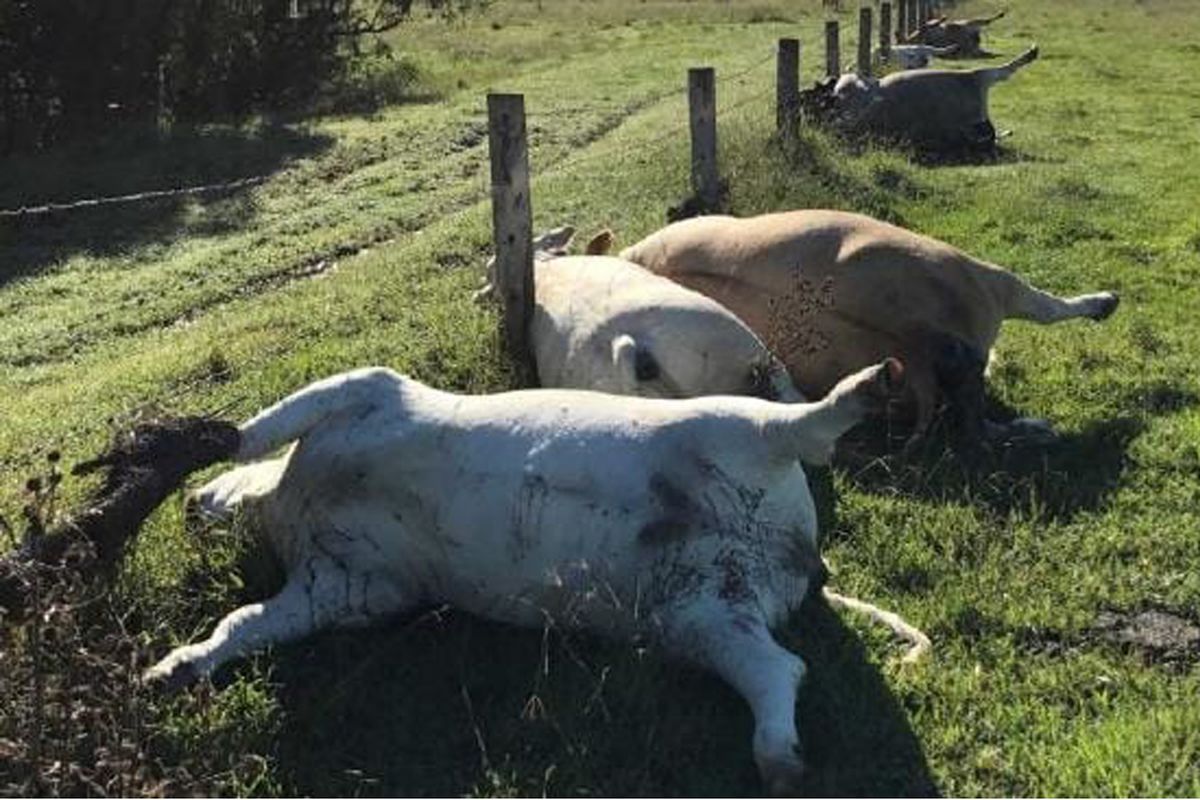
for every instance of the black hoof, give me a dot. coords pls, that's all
(1108, 307)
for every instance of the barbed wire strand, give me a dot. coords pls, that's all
(92, 202)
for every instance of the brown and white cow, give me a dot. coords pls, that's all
(830, 292)
(688, 523)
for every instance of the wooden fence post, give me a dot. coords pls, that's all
(833, 58)
(922, 11)
(702, 114)
(864, 41)
(902, 21)
(885, 30)
(912, 17)
(787, 86)
(512, 222)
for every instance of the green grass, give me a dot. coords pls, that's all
(362, 248)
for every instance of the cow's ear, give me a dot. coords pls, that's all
(634, 364)
(624, 358)
(600, 244)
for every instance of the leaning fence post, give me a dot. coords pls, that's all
(702, 114)
(512, 222)
(885, 30)
(902, 21)
(864, 41)
(787, 86)
(833, 58)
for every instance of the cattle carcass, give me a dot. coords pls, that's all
(914, 56)
(684, 522)
(964, 35)
(830, 292)
(934, 109)
(609, 325)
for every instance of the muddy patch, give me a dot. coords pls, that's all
(1159, 635)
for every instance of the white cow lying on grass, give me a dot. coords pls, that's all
(686, 521)
(915, 56)
(607, 324)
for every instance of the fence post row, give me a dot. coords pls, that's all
(833, 58)
(702, 116)
(787, 87)
(885, 30)
(512, 222)
(864, 41)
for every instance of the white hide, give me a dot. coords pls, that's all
(686, 521)
(915, 56)
(607, 324)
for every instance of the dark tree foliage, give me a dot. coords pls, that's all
(79, 67)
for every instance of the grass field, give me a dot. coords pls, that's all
(362, 247)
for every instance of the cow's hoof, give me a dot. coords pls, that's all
(171, 675)
(784, 776)
(1106, 304)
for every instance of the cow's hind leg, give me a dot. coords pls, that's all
(733, 640)
(1034, 305)
(317, 595)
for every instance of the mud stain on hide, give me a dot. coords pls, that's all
(679, 513)
(526, 522)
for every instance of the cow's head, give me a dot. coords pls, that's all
(551, 244)
(715, 360)
(854, 95)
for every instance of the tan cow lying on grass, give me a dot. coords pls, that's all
(937, 110)
(830, 292)
(686, 521)
(605, 324)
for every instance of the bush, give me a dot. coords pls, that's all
(78, 67)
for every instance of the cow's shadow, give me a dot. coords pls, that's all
(445, 704)
(1071, 473)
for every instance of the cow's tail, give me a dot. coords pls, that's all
(993, 75)
(918, 642)
(299, 413)
(1021, 300)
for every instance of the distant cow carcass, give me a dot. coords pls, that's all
(605, 324)
(687, 523)
(964, 35)
(914, 56)
(935, 109)
(830, 292)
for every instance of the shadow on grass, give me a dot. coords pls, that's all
(445, 704)
(138, 160)
(1074, 473)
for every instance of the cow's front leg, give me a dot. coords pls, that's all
(284, 617)
(317, 596)
(735, 643)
